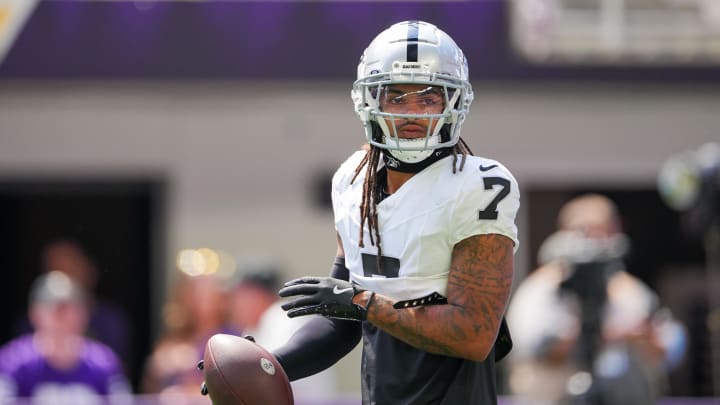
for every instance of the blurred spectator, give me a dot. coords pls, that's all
(57, 363)
(255, 310)
(108, 323)
(195, 310)
(585, 330)
(251, 297)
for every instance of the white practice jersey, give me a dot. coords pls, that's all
(422, 222)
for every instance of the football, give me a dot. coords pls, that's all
(239, 371)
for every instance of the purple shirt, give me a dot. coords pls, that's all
(25, 373)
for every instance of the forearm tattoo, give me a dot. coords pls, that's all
(478, 289)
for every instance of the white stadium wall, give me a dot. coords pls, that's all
(239, 156)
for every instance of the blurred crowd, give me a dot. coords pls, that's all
(72, 348)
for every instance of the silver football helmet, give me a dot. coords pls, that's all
(412, 52)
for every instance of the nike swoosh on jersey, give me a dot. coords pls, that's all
(484, 169)
(338, 291)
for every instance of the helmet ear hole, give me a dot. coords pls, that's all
(451, 95)
(445, 133)
(377, 133)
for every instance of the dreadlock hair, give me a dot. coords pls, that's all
(371, 191)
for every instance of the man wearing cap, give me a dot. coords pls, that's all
(57, 363)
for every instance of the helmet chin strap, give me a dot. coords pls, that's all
(394, 164)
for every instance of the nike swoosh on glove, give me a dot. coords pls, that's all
(327, 296)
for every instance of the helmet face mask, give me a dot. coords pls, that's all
(421, 61)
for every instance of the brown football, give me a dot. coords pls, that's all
(239, 371)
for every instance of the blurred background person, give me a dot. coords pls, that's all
(585, 330)
(195, 310)
(253, 293)
(107, 322)
(57, 363)
(255, 310)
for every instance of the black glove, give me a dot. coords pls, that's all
(327, 296)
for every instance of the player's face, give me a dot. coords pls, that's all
(417, 99)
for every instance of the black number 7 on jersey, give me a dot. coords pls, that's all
(490, 212)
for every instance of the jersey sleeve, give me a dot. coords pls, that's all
(342, 178)
(488, 203)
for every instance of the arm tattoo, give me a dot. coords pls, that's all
(478, 289)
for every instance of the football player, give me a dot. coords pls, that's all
(426, 236)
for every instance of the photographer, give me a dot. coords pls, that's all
(585, 330)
